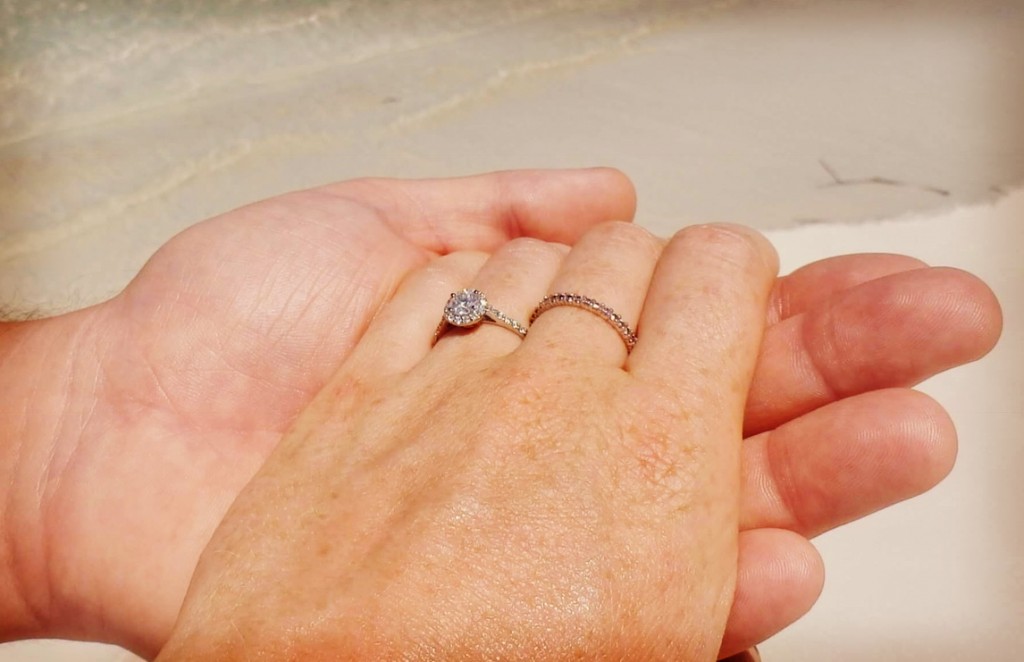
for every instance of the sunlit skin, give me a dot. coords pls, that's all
(133, 425)
(491, 498)
(549, 499)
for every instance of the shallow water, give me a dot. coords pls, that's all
(123, 122)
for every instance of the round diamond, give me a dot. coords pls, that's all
(465, 308)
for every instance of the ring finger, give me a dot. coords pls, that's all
(511, 282)
(610, 266)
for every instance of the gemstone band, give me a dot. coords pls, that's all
(469, 308)
(586, 303)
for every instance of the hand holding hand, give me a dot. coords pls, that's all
(134, 424)
(492, 498)
(128, 428)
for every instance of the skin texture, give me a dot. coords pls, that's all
(550, 500)
(133, 425)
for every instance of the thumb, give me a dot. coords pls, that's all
(482, 212)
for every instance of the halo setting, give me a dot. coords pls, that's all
(466, 308)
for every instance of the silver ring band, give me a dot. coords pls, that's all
(586, 303)
(469, 308)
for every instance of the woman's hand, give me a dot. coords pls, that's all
(551, 498)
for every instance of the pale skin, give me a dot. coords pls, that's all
(136, 423)
(554, 498)
(490, 498)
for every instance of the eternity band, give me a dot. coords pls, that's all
(586, 303)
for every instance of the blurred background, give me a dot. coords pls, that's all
(837, 125)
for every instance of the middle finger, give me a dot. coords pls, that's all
(892, 331)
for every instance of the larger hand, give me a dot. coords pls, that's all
(129, 428)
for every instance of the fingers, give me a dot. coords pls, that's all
(483, 211)
(702, 320)
(893, 331)
(816, 282)
(612, 265)
(403, 332)
(780, 576)
(513, 280)
(845, 461)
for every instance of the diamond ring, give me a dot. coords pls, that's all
(468, 308)
(586, 303)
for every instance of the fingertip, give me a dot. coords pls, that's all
(846, 460)
(973, 303)
(720, 239)
(893, 444)
(618, 187)
(571, 202)
(894, 331)
(926, 438)
(780, 577)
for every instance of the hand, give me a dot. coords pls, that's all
(129, 428)
(203, 366)
(833, 433)
(490, 498)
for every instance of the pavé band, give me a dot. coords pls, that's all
(586, 303)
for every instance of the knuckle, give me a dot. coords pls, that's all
(730, 245)
(528, 250)
(454, 268)
(627, 237)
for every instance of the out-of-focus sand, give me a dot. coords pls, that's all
(123, 122)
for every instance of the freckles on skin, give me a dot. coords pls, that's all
(658, 442)
(546, 391)
(347, 391)
(716, 326)
(535, 558)
(661, 459)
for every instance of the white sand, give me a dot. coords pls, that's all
(121, 126)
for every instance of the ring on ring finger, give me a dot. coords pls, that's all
(592, 305)
(469, 308)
